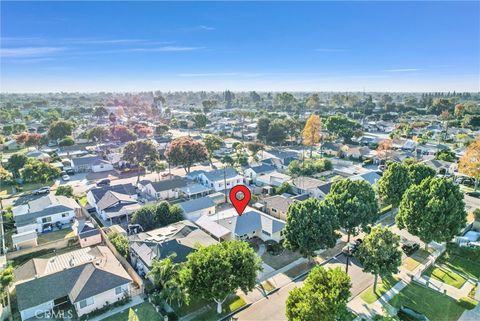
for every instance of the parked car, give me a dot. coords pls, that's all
(66, 177)
(351, 248)
(42, 190)
(473, 194)
(103, 182)
(70, 172)
(410, 247)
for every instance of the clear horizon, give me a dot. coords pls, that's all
(241, 46)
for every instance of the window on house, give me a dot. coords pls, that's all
(274, 210)
(266, 233)
(119, 290)
(86, 303)
(64, 214)
(46, 219)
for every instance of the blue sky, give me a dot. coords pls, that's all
(269, 46)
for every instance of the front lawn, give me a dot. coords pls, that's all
(446, 276)
(142, 312)
(411, 262)
(435, 306)
(382, 287)
(194, 305)
(281, 260)
(462, 259)
(299, 269)
(230, 305)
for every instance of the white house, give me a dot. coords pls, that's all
(88, 279)
(216, 179)
(44, 213)
(163, 190)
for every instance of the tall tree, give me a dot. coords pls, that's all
(469, 163)
(254, 148)
(263, 126)
(341, 126)
(100, 111)
(393, 183)
(212, 143)
(313, 102)
(355, 204)
(200, 121)
(434, 210)
(165, 276)
(98, 133)
(217, 271)
(384, 148)
(60, 129)
(311, 226)
(323, 296)
(36, 171)
(418, 172)
(277, 132)
(15, 163)
(311, 133)
(184, 151)
(123, 133)
(380, 254)
(142, 153)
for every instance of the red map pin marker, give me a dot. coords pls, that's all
(238, 202)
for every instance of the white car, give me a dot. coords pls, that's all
(66, 177)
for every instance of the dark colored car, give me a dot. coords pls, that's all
(104, 182)
(351, 248)
(473, 194)
(70, 172)
(410, 247)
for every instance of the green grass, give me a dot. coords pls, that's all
(297, 270)
(446, 276)
(435, 306)
(194, 305)
(83, 200)
(415, 259)
(144, 311)
(54, 236)
(464, 260)
(230, 305)
(279, 261)
(382, 287)
(268, 286)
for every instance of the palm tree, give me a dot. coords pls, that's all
(164, 275)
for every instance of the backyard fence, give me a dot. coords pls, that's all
(54, 245)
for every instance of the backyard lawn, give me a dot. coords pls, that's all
(463, 260)
(411, 262)
(232, 304)
(279, 261)
(446, 276)
(142, 312)
(54, 236)
(382, 287)
(434, 305)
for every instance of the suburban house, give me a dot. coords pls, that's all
(87, 233)
(279, 158)
(307, 185)
(12, 145)
(277, 206)
(86, 280)
(164, 189)
(357, 152)
(251, 173)
(194, 190)
(272, 179)
(195, 208)
(177, 239)
(90, 163)
(45, 213)
(330, 148)
(441, 167)
(114, 202)
(216, 179)
(228, 225)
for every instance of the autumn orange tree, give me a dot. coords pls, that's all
(384, 147)
(470, 161)
(311, 132)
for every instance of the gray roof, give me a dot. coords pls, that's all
(26, 219)
(325, 188)
(127, 189)
(264, 168)
(196, 204)
(218, 174)
(371, 177)
(36, 286)
(168, 184)
(250, 222)
(180, 238)
(85, 160)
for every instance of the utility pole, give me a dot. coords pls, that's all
(225, 182)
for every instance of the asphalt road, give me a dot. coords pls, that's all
(272, 308)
